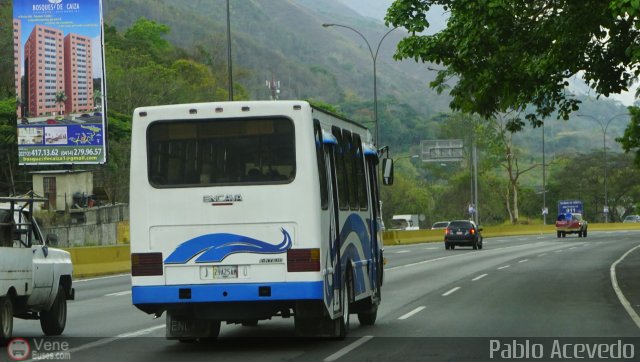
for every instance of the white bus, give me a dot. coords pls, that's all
(242, 211)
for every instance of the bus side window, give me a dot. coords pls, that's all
(322, 169)
(341, 172)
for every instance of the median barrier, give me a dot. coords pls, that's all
(397, 237)
(102, 260)
(91, 261)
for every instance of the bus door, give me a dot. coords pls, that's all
(334, 234)
(376, 224)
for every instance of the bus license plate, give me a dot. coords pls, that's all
(219, 272)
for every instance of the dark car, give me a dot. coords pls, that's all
(462, 233)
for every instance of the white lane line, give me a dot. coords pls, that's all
(402, 251)
(457, 256)
(432, 248)
(543, 254)
(451, 292)
(523, 261)
(141, 332)
(348, 348)
(522, 239)
(118, 294)
(575, 247)
(623, 300)
(559, 251)
(479, 277)
(504, 267)
(417, 310)
(102, 342)
(100, 278)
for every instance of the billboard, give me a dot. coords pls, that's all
(59, 62)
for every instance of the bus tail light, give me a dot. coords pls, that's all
(146, 264)
(303, 260)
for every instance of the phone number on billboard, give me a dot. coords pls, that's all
(55, 152)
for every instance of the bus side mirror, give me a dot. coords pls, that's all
(387, 171)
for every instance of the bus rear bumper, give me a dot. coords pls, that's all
(206, 293)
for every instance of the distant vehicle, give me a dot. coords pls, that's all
(571, 223)
(631, 219)
(463, 233)
(97, 114)
(440, 225)
(51, 121)
(85, 115)
(405, 222)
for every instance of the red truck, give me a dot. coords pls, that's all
(571, 223)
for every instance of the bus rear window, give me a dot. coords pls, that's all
(221, 152)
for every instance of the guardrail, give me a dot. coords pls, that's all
(102, 260)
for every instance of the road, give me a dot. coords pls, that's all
(437, 305)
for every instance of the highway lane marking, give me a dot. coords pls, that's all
(432, 248)
(523, 261)
(104, 341)
(451, 292)
(118, 294)
(614, 282)
(402, 251)
(99, 278)
(559, 251)
(457, 256)
(575, 247)
(504, 267)
(543, 254)
(479, 277)
(348, 348)
(417, 310)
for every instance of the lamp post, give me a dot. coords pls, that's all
(229, 67)
(604, 125)
(374, 58)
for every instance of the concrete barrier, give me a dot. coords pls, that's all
(100, 260)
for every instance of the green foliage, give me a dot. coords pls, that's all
(630, 141)
(508, 54)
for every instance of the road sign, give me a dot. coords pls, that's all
(569, 206)
(441, 150)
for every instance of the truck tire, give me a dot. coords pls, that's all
(6, 319)
(54, 320)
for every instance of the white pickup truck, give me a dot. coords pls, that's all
(35, 280)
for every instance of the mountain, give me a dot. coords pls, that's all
(284, 40)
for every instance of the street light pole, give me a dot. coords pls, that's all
(604, 126)
(229, 67)
(374, 58)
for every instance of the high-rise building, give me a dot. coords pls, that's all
(17, 61)
(44, 71)
(78, 73)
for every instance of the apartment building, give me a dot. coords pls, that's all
(44, 71)
(17, 60)
(55, 63)
(78, 73)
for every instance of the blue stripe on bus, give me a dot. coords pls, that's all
(226, 292)
(216, 247)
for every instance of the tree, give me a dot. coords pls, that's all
(61, 97)
(630, 140)
(506, 55)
